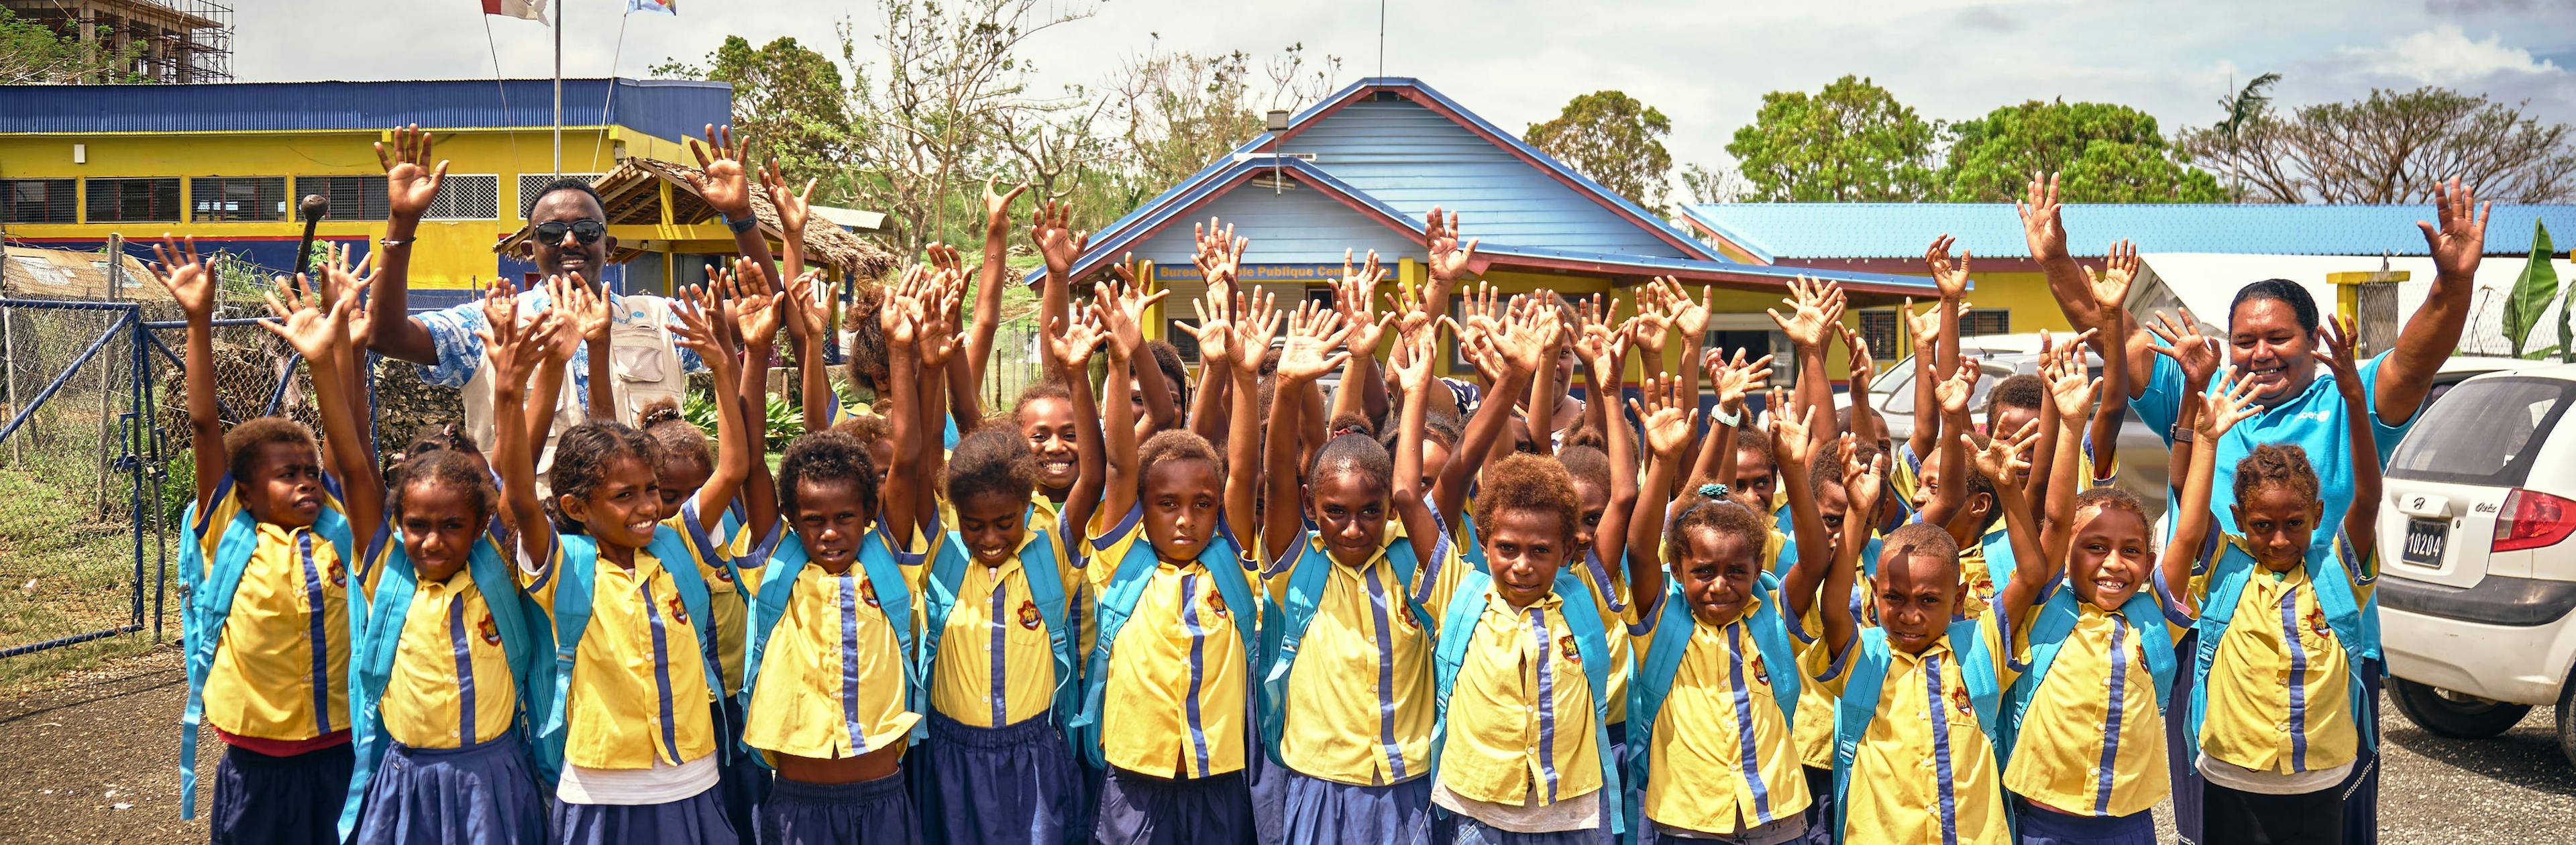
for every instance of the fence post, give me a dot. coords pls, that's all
(137, 418)
(106, 423)
(9, 352)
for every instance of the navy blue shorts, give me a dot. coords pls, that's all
(870, 812)
(1010, 784)
(264, 800)
(481, 794)
(2035, 826)
(1138, 809)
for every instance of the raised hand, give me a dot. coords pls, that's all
(1650, 329)
(1256, 322)
(2221, 410)
(342, 282)
(1864, 369)
(1731, 380)
(516, 350)
(176, 265)
(1689, 316)
(1861, 478)
(943, 258)
(1123, 311)
(1923, 330)
(1667, 414)
(1527, 337)
(899, 315)
(2335, 348)
(757, 311)
(410, 182)
(940, 334)
(1073, 345)
(1313, 333)
(302, 321)
(795, 208)
(1792, 438)
(814, 294)
(1214, 331)
(1352, 297)
(2069, 384)
(997, 206)
(1051, 228)
(2003, 458)
(697, 331)
(720, 177)
(1414, 352)
(1953, 392)
(2041, 224)
(2456, 244)
(2196, 353)
(1816, 308)
(589, 309)
(1220, 255)
(2111, 286)
(501, 302)
(1951, 277)
(1449, 258)
(1599, 344)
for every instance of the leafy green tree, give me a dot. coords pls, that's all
(32, 53)
(786, 96)
(2105, 153)
(1852, 142)
(1612, 139)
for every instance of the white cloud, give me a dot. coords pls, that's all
(2444, 55)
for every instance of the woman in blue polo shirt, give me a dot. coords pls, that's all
(2272, 337)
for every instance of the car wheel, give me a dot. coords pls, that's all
(2567, 722)
(2458, 716)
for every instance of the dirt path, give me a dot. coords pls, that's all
(91, 760)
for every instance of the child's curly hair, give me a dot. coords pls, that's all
(992, 461)
(447, 468)
(826, 457)
(1586, 436)
(1587, 463)
(446, 435)
(1168, 359)
(2019, 390)
(681, 440)
(244, 441)
(2116, 499)
(2283, 465)
(583, 455)
(1175, 445)
(1756, 442)
(1051, 388)
(1522, 482)
(1351, 446)
(1921, 539)
(1725, 517)
(868, 428)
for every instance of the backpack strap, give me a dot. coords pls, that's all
(1653, 682)
(1449, 652)
(576, 570)
(371, 661)
(1045, 573)
(1117, 603)
(1853, 712)
(1591, 642)
(678, 552)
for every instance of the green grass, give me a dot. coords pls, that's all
(64, 572)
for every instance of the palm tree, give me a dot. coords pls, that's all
(2244, 107)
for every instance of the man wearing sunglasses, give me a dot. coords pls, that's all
(569, 238)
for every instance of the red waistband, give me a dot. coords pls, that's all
(283, 747)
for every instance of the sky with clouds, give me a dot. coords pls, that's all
(1706, 65)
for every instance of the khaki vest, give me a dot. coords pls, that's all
(643, 365)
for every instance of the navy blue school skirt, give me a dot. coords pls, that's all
(264, 800)
(869, 812)
(1139, 809)
(480, 794)
(2360, 791)
(696, 820)
(1316, 811)
(2035, 826)
(1820, 809)
(2181, 764)
(1014, 784)
(1473, 832)
(742, 783)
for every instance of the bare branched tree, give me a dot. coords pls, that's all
(2389, 148)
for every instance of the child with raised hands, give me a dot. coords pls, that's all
(1521, 666)
(450, 659)
(624, 587)
(1002, 636)
(2280, 713)
(268, 622)
(1925, 685)
(2084, 765)
(1347, 697)
(1602, 460)
(1717, 686)
(1167, 709)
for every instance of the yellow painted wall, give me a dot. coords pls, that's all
(449, 253)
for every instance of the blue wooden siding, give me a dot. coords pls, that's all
(1300, 225)
(1412, 158)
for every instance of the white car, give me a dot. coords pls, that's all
(2478, 579)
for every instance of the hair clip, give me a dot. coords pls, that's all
(1713, 491)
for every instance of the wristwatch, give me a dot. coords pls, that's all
(1724, 417)
(743, 225)
(2179, 433)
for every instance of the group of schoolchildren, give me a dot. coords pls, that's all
(1236, 609)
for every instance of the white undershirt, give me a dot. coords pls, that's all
(2243, 779)
(662, 784)
(1582, 812)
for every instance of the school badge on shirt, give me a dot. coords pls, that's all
(1959, 699)
(1761, 674)
(491, 631)
(868, 593)
(1029, 614)
(338, 574)
(1565, 644)
(2316, 620)
(1216, 605)
(679, 612)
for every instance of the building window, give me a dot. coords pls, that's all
(39, 201)
(236, 199)
(531, 183)
(352, 197)
(1178, 333)
(1983, 321)
(1878, 327)
(154, 200)
(471, 197)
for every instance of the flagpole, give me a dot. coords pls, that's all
(559, 16)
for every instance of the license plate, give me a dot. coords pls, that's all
(2424, 541)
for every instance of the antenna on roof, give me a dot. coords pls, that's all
(1381, 37)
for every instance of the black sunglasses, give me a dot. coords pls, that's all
(585, 231)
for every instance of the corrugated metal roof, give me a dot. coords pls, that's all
(670, 109)
(1796, 230)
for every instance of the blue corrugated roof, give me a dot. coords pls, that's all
(670, 109)
(1796, 230)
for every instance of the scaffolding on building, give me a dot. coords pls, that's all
(170, 41)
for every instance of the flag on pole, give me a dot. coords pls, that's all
(534, 10)
(667, 7)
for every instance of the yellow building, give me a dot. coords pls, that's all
(227, 162)
(1360, 171)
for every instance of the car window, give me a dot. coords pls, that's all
(1895, 388)
(2483, 432)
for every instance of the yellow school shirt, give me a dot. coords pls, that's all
(1174, 706)
(995, 666)
(1722, 760)
(1520, 714)
(2092, 742)
(831, 679)
(731, 609)
(1359, 708)
(1976, 585)
(1923, 771)
(638, 692)
(281, 667)
(451, 681)
(2254, 719)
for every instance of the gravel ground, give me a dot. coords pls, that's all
(90, 761)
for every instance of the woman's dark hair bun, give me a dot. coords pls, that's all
(1350, 423)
